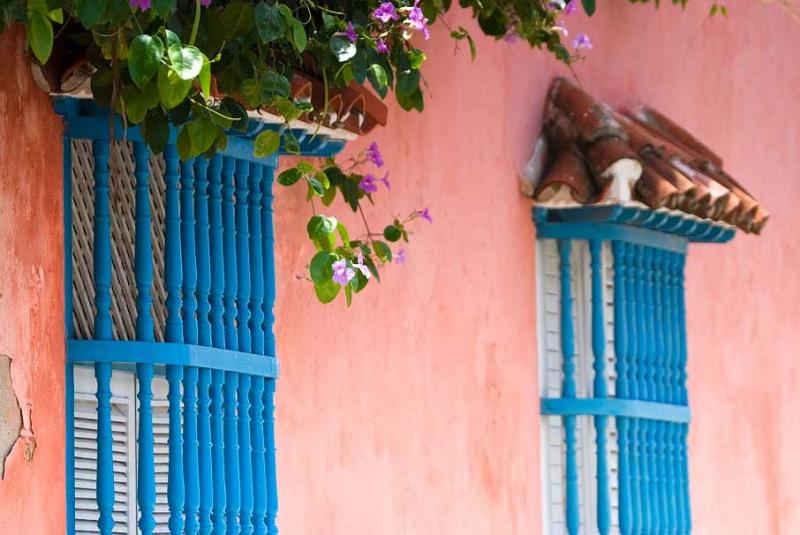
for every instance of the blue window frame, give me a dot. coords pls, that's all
(614, 399)
(170, 279)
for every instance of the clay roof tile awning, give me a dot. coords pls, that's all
(596, 154)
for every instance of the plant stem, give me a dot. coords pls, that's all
(196, 24)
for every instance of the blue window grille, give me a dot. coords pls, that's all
(170, 282)
(616, 275)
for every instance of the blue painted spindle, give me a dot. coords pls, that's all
(268, 243)
(215, 239)
(268, 259)
(632, 322)
(272, 472)
(204, 439)
(568, 388)
(203, 252)
(661, 357)
(173, 333)
(189, 285)
(218, 451)
(621, 352)
(175, 487)
(103, 331)
(146, 483)
(242, 256)
(229, 244)
(245, 455)
(684, 428)
(232, 480)
(256, 261)
(259, 457)
(600, 388)
(650, 357)
(172, 255)
(191, 464)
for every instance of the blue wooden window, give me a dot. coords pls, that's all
(170, 345)
(613, 368)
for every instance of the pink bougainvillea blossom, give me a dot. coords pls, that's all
(342, 274)
(367, 184)
(373, 154)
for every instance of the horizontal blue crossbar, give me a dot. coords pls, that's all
(630, 408)
(124, 353)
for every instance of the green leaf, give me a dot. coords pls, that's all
(372, 267)
(184, 144)
(342, 230)
(40, 35)
(238, 19)
(269, 22)
(413, 101)
(171, 87)
(163, 8)
(299, 36)
(589, 6)
(155, 131)
(266, 143)
(203, 133)
(187, 61)
(144, 58)
(378, 78)
(274, 85)
(383, 251)
(320, 227)
(289, 177)
(320, 267)
(329, 196)
(342, 47)
(416, 57)
(348, 294)
(407, 82)
(316, 186)
(493, 22)
(90, 11)
(135, 104)
(250, 91)
(205, 77)
(392, 233)
(172, 38)
(327, 290)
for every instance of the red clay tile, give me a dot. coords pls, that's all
(665, 165)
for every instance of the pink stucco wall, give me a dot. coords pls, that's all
(416, 411)
(31, 293)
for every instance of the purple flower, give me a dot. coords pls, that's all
(418, 21)
(144, 5)
(385, 12)
(570, 8)
(205, 3)
(341, 273)
(350, 33)
(511, 37)
(368, 184)
(425, 214)
(561, 29)
(381, 46)
(581, 42)
(373, 154)
(385, 180)
(400, 257)
(361, 267)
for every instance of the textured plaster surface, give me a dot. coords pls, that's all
(10, 413)
(31, 295)
(416, 411)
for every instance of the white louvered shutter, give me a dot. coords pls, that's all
(124, 453)
(551, 378)
(161, 449)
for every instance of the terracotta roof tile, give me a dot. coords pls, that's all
(596, 154)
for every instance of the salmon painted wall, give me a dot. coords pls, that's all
(31, 293)
(416, 411)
